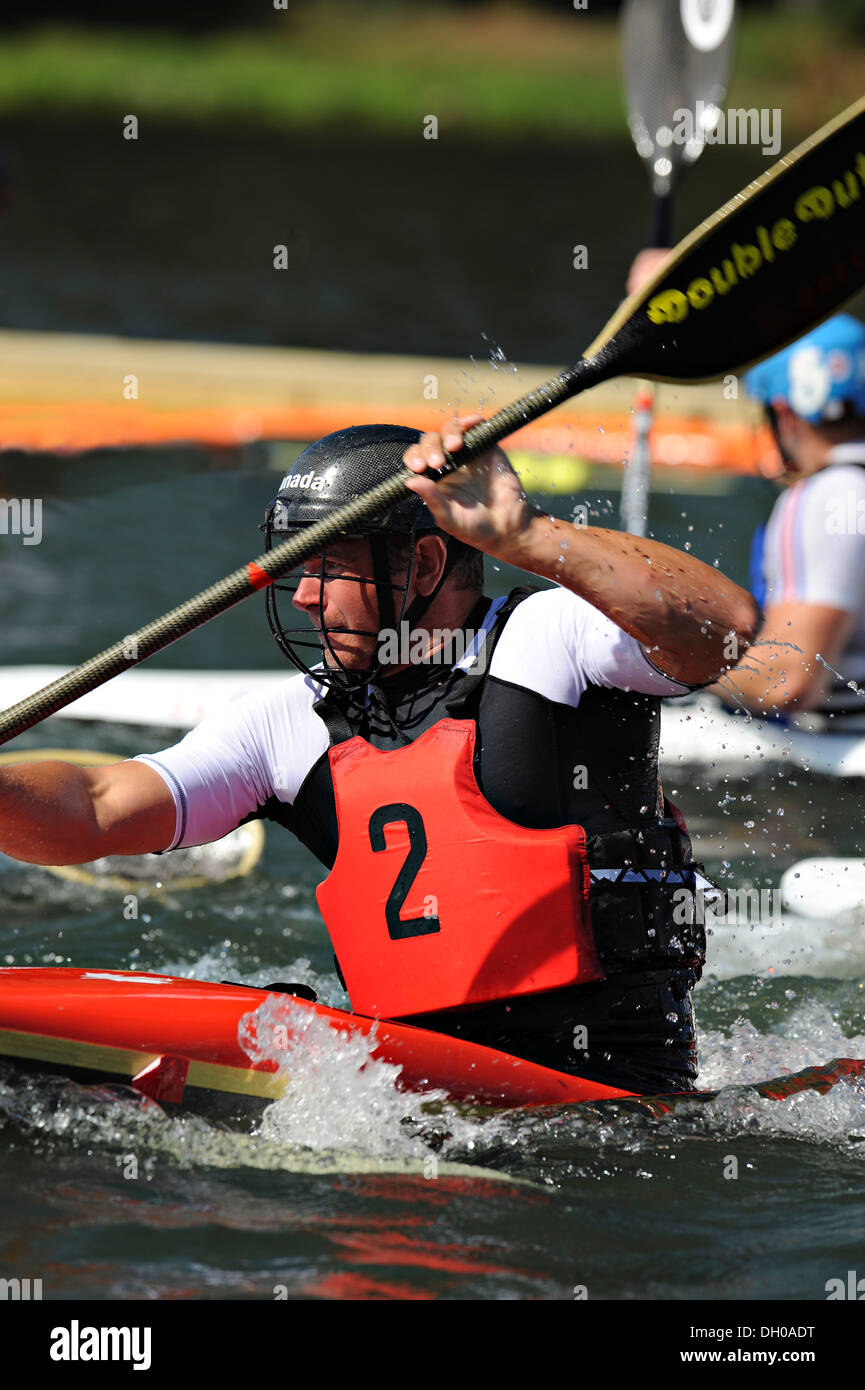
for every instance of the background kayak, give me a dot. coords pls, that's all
(694, 732)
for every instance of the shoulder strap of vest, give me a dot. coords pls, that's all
(336, 717)
(463, 703)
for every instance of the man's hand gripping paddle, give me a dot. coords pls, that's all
(772, 262)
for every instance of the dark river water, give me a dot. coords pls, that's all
(393, 246)
(333, 1197)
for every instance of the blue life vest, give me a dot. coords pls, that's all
(757, 576)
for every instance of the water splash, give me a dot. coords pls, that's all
(339, 1096)
(496, 355)
(788, 945)
(808, 1037)
(54, 1115)
(336, 1096)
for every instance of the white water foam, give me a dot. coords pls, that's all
(50, 1111)
(809, 1037)
(341, 1099)
(338, 1096)
(789, 945)
(744, 1055)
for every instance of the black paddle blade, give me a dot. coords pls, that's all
(770, 264)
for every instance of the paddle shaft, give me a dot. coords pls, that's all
(662, 218)
(664, 69)
(637, 472)
(136, 647)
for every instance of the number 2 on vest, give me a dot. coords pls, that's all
(397, 811)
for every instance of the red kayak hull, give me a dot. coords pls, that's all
(168, 1037)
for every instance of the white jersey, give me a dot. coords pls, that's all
(814, 552)
(263, 745)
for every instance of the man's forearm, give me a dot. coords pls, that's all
(693, 620)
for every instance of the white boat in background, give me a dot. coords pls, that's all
(696, 732)
(788, 946)
(819, 929)
(159, 699)
(825, 888)
(700, 732)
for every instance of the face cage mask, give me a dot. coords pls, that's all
(295, 639)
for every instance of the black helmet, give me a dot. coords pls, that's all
(335, 470)
(342, 467)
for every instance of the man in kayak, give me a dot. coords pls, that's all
(479, 777)
(808, 562)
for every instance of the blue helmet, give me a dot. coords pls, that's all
(819, 375)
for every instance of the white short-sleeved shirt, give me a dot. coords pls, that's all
(814, 552)
(264, 744)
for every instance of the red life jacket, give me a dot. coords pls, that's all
(435, 900)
